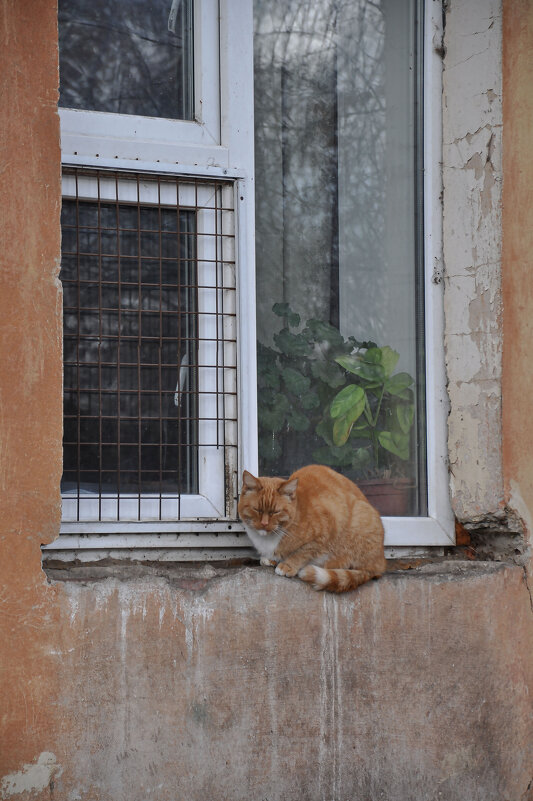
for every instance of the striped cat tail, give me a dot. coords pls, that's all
(334, 580)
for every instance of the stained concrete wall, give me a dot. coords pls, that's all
(232, 684)
(128, 683)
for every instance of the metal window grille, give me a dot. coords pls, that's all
(150, 358)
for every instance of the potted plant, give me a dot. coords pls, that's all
(372, 418)
(356, 412)
(297, 379)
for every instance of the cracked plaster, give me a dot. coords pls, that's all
(472, 177)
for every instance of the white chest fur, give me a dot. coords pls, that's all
(265, 544)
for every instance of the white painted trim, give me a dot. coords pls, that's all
(185, 170)
(399, 531)
(410, 531)
(247, 373)
(102, 135)
(154, 540)
(237, 134)
(437, 404)
(172, 528)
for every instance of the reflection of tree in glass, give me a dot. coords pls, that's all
(129, 323)
(320, 141)
(122, 57)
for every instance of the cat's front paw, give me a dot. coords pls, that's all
(283, 569)
(267, 562)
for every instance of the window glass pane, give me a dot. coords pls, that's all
(339, 287)
(133, 57)
(130, 396)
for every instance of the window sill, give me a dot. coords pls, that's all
(197, 540)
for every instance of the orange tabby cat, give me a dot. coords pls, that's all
(316, 524)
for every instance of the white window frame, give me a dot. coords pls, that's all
(88, 135)
(209, 502)
(438, 528)
(232, 156)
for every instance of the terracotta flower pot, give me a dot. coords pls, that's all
(389, 496)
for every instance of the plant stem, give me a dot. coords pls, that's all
(373, 423)
(379, 404)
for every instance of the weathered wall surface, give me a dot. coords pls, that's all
(472, 176)
(30, 381)
(195, 683)
(243, 685)
(517, 262)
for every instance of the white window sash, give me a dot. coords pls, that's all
(95, 508)
(93, 136)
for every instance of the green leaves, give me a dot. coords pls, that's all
(346, 408)
(292, 345)
(389, 359)
(328, 372)
(396, 443)
(284, 310)
(310, 401)
(405, 414)
(374, 365)
(298, 421)
(379, 394)
(274, 416)
(368, 371)
(334, 457)
(342, 392)
(318, 331)
(349, 397)
(296, 382)
(361, 458)
(398, 383)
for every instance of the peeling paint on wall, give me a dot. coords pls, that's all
(472, 176)
(31, 778)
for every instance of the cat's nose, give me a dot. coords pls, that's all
(264, 520)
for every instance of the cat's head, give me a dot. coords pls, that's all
(267, 504)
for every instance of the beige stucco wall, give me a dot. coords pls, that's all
(126, 683)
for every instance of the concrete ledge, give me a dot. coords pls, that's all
(217, 683)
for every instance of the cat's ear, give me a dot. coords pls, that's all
(289, 488)
(249, 482)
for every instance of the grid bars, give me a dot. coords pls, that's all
(150, 387)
